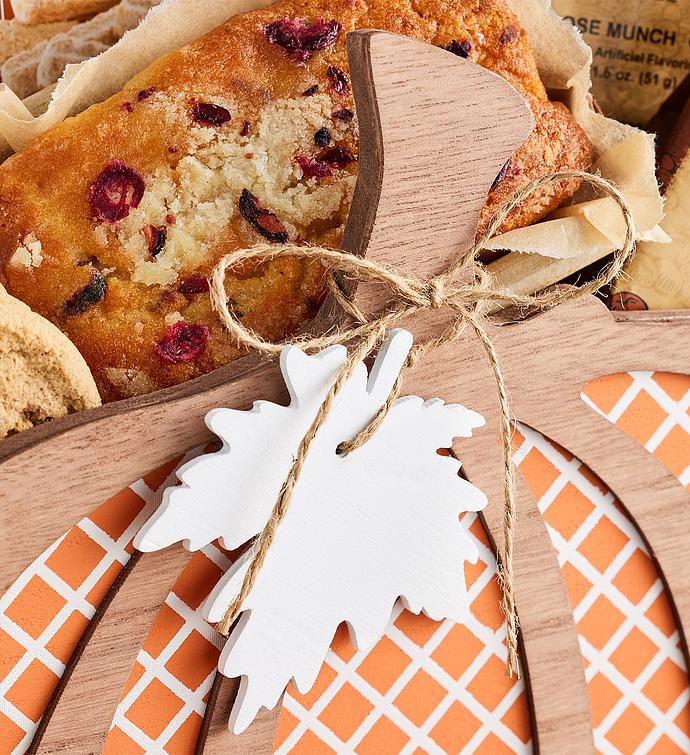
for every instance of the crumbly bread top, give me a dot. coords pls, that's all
(246, 134)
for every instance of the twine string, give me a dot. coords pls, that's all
(470, 301)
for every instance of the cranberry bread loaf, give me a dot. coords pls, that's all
(111, 223)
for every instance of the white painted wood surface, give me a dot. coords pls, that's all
(362, 530)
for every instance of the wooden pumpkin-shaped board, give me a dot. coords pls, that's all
(436, 130)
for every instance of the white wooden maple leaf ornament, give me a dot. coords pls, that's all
(362, 531)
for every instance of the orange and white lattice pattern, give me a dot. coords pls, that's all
(426, 687)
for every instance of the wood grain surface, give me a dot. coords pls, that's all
(46, 474)
(545, 394)
(215, 738)
(49, 474)
(435, 131)
(550, 650)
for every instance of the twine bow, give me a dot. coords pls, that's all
(470, 301)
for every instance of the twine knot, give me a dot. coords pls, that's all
(468, 301)
(436, 290)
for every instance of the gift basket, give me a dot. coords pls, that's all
(377, 310)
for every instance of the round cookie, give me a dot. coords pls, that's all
(42, 375)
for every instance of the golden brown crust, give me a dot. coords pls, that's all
(15, 36)
(45, 11)
(44, 191)
(556, 144)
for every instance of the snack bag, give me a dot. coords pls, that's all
(641, 52)
(659, 275)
